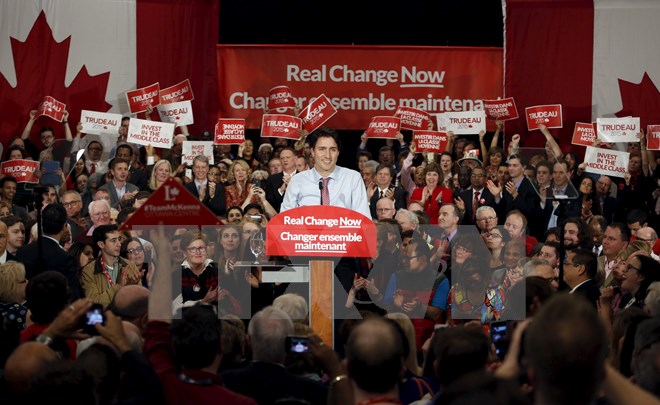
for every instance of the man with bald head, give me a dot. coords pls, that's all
(649, 236)
(374, 361)
(25, 363)
(607, 202)
(385, 208)
(131, 303)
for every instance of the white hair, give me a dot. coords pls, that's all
(652, 300)
(268, 330)
(294, 305)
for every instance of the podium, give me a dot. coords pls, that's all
(323, 234)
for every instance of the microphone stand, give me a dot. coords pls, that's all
(38, 205)
(321, 190)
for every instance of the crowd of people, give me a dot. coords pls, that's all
(566, 261)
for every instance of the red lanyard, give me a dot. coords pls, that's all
(380, 400)
(105, 271)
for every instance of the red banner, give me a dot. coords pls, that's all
(280, 126)
(317, 113)
(362, 81)
(384, 127)
(177, 93)
(51, 108)
(412, 118)
(653, 137)
(504, 109)
(328, 232)
(229, 131)
(430, 141)
(139, 99)
(548, 115)
(22, 170)
(584, 134)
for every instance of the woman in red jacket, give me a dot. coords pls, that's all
(432, 195)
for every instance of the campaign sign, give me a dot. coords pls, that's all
(441, 121)
(196, 148)
(606, 161)
(384, 127)
(156, 134)
(177, 93)
(430, 141)
(618, 129)
(176, 113)
(466, 122)
(229, 131)
(584, 134)
(280, 126)
(139, 99)
(51, 108)
(98, 123)
(412, 118)
(172, 204)
(316, 113)
(328, 232)
(280, 97)
(548, 115)
(23, 170)
(504, 109)
(653, 137)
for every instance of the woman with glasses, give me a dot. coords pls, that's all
(495, 240)
(200, 280)
(640, 271)
(133, 250)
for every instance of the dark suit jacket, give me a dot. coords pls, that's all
(273, 183)
(467, 198)
(590, 291)
(217, 204)
(400, 200)
(114, 197)
(267, 382)
(526, 202)
(54, 258)
(570, 208)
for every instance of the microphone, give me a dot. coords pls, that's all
(321, 190)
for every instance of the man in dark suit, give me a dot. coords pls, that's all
(208, 192)
(551, 212)
(136, 175)
(265, 379)
(383, 187)
(518, 193)
(276, 184)
(580, 272)
(8, 186)
(54, 257)
(474, 197)
(4, 235)
(608, 204)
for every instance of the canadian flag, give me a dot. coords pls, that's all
(88, 53)
(598, 58)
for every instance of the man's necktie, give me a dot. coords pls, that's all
(93, 169)
(325, 194)
(475, 204)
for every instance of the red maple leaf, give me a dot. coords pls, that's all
(41, 64)
(640, 100)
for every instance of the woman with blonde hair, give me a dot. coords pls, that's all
(240, 192)
(12, 294)
(161, 171)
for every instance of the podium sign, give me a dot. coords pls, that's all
(321, 231)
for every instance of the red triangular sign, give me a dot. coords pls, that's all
(172, 204)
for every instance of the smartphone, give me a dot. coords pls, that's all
(93, 317)
(296, 344)
(189, 173)
(499, 337)
(255, 217)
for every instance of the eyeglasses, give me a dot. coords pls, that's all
(200, 249)
(95, 149)
(102, 213)
(71, 203)
(630, 266)
(135, 250)
(406, 257)
(493, 235)
(477, 175)
(463, 248)
(487, 219)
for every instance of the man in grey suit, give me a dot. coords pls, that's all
(119, 189)
(615, 239)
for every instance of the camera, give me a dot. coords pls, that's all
(92, 317)
(499, 337)
(256, 218)
(297, 344)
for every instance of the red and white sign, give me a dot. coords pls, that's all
(618, 129)
(384, 127)
(413, 118)
(176, 113)
(229, 131)
(503, 109)
(466, 122)
(317, 113)
(584, 134)
(548, 115)
(280, 126)
(139, 99)
(430, 141)
(51, 108)
(441, 122)
(172, 204)
(365, 81)
(156, 134)
(195, 148)
(23, 170)
(653, 137)
(606, 161)
(328, 232)
(99, 123)
(280, 97)
(177, 93)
